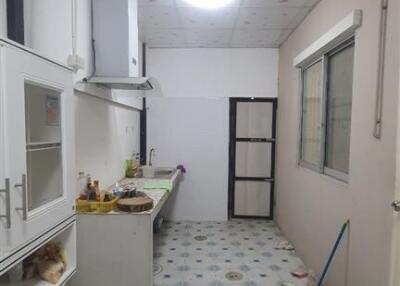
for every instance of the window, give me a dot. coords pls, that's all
(311, 123)
(326, 112)
(15, 20)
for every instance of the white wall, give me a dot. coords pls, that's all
(106, 134)
(193, 132)
(395, 269)
(215, 72)
(190, 125)
(48, 27)
(311, 207)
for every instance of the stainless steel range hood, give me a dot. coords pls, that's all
(134, 86)
(116, 49)
(119, 89)
(126, 83)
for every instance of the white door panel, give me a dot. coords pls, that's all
(251, 198)
(3, 195)
(253, 159)
(255, 120)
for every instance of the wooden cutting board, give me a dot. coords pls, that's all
(137, 204)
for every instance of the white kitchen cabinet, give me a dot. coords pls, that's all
(43, 26)
(36, 152)
(3, 188)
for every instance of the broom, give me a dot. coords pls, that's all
(333, 252)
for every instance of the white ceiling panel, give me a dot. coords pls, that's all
(256, 38)
(164, 37)
(205, 37)
(268, 18)
(158, 17)
(210, 19)
(157, 3)
(183, 3)
(277, 3)
(243, 23)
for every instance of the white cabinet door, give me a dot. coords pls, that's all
(4, 191)
(39, 144)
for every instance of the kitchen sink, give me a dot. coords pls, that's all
(152, 172)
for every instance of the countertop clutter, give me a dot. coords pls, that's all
(143, 194)
(128, 236)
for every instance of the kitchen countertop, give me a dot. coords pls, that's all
(126, 239)
(159, 196)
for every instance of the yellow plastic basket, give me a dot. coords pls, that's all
(84, 206)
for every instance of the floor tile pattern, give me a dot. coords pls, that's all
(232, 253)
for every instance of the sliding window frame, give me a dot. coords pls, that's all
(344, 177)
(303, 163)
(324, 59)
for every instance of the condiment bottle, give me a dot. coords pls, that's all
(97, 189)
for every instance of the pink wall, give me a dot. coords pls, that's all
(311, 207)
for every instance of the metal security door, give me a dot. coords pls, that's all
(252, 157)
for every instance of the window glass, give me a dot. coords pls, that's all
(43, 144)
(311, 114)
(339, 94)
(15, 20)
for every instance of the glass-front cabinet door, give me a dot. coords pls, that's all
(39, 142)
(43, 145)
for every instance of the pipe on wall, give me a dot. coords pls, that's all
(74, 27)
(381, 70)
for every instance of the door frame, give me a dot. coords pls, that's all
(232, 155)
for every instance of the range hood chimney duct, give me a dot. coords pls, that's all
(115, 48)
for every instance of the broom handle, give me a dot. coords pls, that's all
(333, 252)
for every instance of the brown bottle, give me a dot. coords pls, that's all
(96, 186)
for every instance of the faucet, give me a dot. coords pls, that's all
(152, 151)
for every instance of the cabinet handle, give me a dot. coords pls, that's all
(6, 190)
(24, 207)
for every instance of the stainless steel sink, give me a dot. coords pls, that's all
(165, 173)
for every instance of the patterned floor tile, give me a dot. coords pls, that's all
(202, 253)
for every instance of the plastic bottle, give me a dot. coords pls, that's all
(81, 186)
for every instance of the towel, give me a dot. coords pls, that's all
(164, 185)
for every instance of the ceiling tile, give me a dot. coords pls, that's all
(271, 18)
(244, 23)
(158, 17)
(206, 37)
(194, 18)
(183, 3)
(255, 38)
(164, 37)
(156, 3)
(278, 3)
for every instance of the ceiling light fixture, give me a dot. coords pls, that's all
(209, 4)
